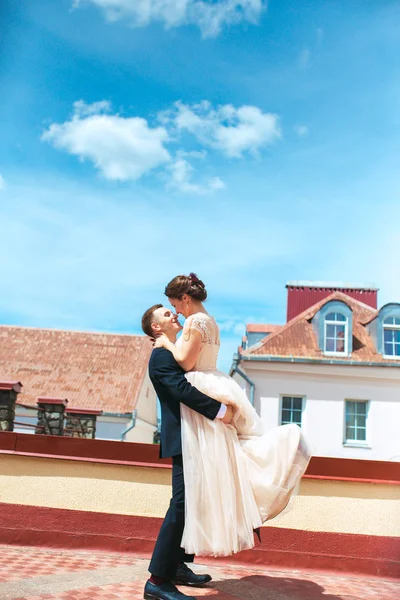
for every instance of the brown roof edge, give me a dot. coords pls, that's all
(44, 400)
(11, 385)
(83, 411)
(261, 327)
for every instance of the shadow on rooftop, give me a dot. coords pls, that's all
(264, 587)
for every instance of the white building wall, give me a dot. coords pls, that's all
(143, 432)
(146, 405)
(325, 389)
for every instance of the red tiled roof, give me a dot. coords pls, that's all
(92, 370)
(297, 338)
(261, 328)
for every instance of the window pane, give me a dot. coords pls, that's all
(297, 403)
(340, 345)
(397, 320)
(350, 420)
(286, 416)
(330, 331)
(335, 317)
(361, 408)
(297, 417)
(340, 330)
(350, 406)
(350, 433)
(340, 317)
(388, 335)
(389, 321)
(360, 435)
(397, 350)
(396, 336)
(361, 421)
(287, 402)
(330, 345)
(389, 349)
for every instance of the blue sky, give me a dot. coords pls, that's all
(251, 144)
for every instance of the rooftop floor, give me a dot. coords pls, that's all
(29, 573)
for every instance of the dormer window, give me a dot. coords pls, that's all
(333, 325)
(391, 336)
(384, 330)
(336, 333)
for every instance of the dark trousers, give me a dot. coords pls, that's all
(168, 554)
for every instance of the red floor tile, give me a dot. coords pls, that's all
(230, 582)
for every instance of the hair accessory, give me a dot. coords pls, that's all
(193, 277)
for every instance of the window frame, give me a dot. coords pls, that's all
(342, 308)
(349, 443)
(303, 404)
(392, 327)
(345, 324)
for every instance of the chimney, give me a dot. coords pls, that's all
(51, 416)
(81, 422)
(8, 397)
(304, 294)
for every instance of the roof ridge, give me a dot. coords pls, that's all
(109, 333)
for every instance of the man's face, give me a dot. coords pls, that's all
(165, 321)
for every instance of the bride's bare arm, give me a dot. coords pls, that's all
(186, 355)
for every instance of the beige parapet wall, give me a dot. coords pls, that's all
(321, 504)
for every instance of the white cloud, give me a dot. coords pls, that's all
(126, 148)
(301, 130)
(121, 148)
(82, 109)
(235, 326)
(181, 175)
(2, 183)
(231, 130)
(210, 17)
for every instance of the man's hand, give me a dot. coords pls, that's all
(228, 415)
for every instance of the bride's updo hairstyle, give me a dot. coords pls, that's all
(186, 284)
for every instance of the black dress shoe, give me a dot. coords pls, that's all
(185, 576)
(165, 591)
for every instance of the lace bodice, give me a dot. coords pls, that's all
(207, 326)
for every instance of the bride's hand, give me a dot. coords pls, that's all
(162, 341)
(228, 416)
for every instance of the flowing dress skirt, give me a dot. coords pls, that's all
(236, 476)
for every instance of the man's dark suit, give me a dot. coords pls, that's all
(172, 388)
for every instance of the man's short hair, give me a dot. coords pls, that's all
(148, 319)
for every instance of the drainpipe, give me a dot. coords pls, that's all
(123, 434)
(235, 369)
(158, 408)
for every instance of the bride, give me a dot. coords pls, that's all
(236, 476)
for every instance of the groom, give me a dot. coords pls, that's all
(167, 565)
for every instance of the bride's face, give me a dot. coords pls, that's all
(182, 306)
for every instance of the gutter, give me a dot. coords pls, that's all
(123, 434)
(235, 369)
(318, 361)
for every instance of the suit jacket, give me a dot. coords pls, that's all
(172, 388)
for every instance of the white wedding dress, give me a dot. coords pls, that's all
(236, 476)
